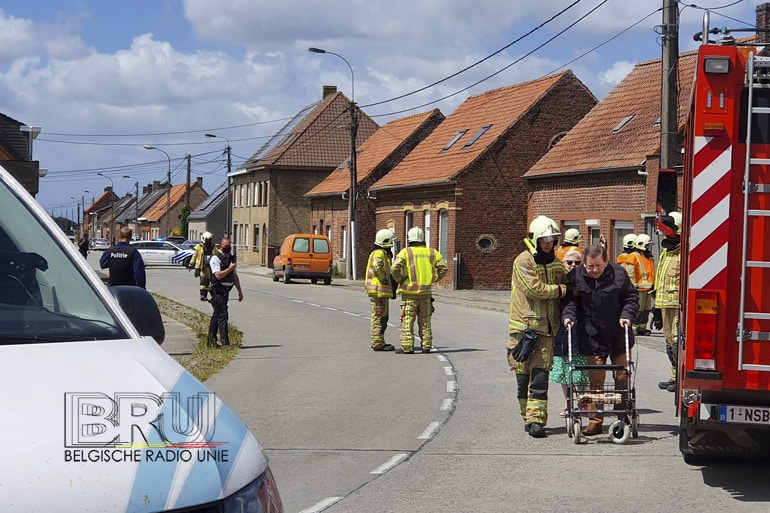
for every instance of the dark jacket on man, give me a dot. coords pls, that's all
(125, 264)
(604, 301)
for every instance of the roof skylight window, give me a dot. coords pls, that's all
(453, 140)
(623, 123)
(478, 134)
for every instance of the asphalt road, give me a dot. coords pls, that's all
(351, 430)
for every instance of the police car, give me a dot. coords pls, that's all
(97, 417)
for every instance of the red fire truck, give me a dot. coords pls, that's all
(723, 396)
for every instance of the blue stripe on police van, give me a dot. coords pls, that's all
(154, 479)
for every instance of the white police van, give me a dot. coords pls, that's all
(96, 416)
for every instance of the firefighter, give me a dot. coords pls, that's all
(644, 278)
(666, 291)
(415, 269)
(200, 262)
(572, 238)
(538, 281)
(628, 247)
(379, 287)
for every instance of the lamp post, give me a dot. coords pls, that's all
(136, 206)
(168, 194)
(351, 245)
(112, 212)
(83, 201)
(228, 150)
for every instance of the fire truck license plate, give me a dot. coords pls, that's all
(744, 414)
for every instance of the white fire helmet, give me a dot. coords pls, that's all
(643, 242)
(384, 238)
(415, 234)
(573, 236)
(543, 228)
(629, 241)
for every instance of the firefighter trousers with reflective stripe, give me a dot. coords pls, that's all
(671, 332)
(417, 307)
(380, 314)
(532, 378)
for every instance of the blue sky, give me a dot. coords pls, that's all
(102, 78)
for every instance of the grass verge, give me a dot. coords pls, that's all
(205, 361)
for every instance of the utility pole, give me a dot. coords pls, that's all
(669, 107)
(187, 185)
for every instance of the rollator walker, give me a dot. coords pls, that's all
(583, 400)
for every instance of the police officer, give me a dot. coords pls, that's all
(538, 281)
(415, 269)
(83, 244)
(666, 290)
(200, 262)
(124, 261)
(223, 278)
(379, 287)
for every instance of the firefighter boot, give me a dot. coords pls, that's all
(666, 385)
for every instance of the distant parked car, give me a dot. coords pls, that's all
(156, 252)
(188, 244)
(100, 244)
(304, 255)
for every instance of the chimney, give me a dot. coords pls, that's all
(330, 89)
(199, 182)
(763, 23)
(155, 185)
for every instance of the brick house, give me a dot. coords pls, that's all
(602, 177)
(268, 201)
(376, 157)
(94, 216)
(463, 183)
(153, 221)
(16, 152)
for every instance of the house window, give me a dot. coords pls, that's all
(256, 238)
(622, 228)
(408, 221)
(623, 123)
(476, 138)
(254, 194)
(248, 194)
(443, 232)
(453, 140)
(344, 242)
(245, 230)
(426, 216)
(240, 189)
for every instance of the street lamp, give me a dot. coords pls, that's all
(136, 205)
(168, 194)
(228, 150)
(112, 213)
(351, 245)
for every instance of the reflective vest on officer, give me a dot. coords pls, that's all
(374, 287)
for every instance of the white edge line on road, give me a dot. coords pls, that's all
(449, 371)
(321, 505)
(313, 304)
(446, 405)
(392, 462)
(352, 313)
(296, 301)
(442, 358)
(451, 386)
(431, 430)
(330, 308)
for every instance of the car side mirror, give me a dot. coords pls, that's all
(141, 309)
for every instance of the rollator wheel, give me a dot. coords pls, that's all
(568, 425)
(576, 428)
(620, 432)
(635, 425)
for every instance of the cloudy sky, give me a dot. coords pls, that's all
(102, 78)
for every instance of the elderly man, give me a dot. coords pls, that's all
(610, 304)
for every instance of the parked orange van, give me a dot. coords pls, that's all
(304, 255)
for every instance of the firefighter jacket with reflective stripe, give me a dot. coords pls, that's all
(378, 274)
(667, 279)
(201, 256)
(566, 248)
(624, 261)
(416, 268)
(535, 293)
(644, 271)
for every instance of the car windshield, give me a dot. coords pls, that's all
(44, 295)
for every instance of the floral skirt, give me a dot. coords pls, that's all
(560, 370)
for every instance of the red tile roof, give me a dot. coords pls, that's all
(373, 152)
(592, 145)
(499, 108)
(158, 209)
(317, 136)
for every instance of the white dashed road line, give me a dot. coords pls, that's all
(449, 371)
(322, 505)
(392, 462)
(451, 386)
(431, 430)
(446, 405)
